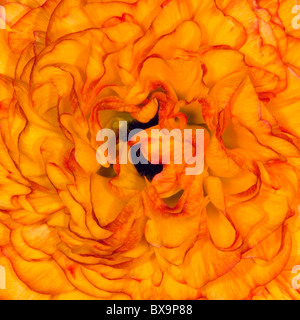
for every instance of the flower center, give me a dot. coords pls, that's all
(148, 169)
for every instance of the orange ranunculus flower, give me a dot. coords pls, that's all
(71, 229)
